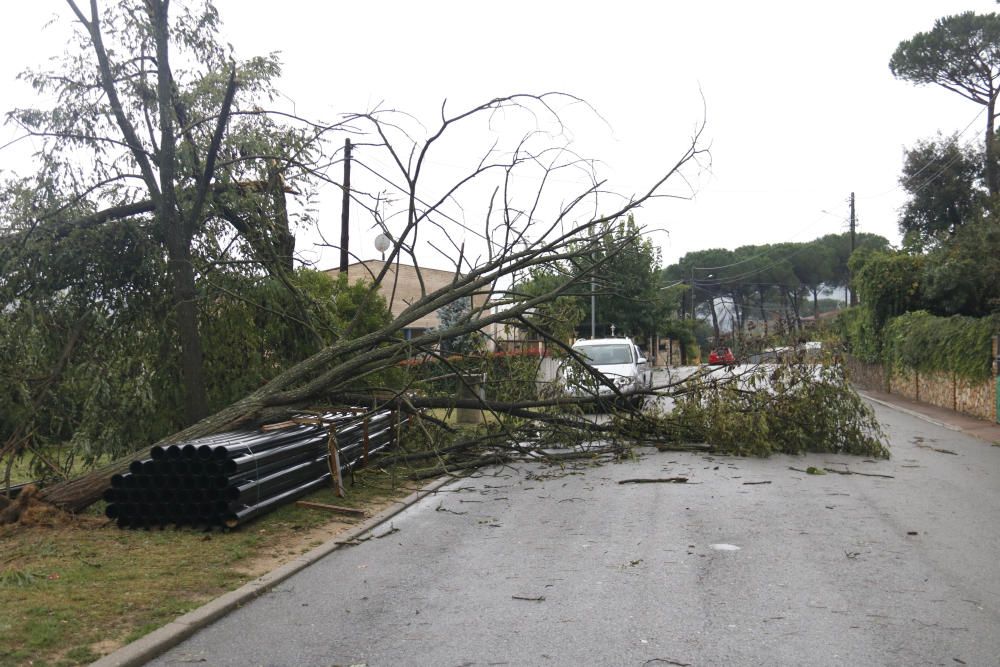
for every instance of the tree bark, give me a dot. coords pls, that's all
(177, 231)
(992, 180)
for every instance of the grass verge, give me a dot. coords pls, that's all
(75, 588)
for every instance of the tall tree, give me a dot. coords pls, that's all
(961, 53)
(626, 269)
(158, 128)
(813, 266)
(943, 180)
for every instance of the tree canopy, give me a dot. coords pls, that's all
(943, 181)
(763, 285)
(961, 53)
(626, 289)
(158, 172)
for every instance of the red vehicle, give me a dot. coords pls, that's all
(722, 355)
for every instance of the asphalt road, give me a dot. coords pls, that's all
(749, 563)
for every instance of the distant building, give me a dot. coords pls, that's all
(401, 287)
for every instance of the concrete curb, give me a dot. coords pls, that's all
(162, 639)
(912, 413)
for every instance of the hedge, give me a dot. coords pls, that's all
(957, 344)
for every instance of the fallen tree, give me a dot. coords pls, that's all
(512, 205)
(512, 239)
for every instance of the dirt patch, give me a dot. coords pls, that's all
(105, 647)
(305, 540)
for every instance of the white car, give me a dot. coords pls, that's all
(618, 359)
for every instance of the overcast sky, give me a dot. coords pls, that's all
(800, 105)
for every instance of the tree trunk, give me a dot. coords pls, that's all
(763, 312)
(715, 318)
(992, 180)
(186, 312)
(176, 234)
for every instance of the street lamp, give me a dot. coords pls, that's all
(382, 243)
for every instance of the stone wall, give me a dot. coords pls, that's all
(866, 376)
(978, 399)
(945, 390)
(905, 383)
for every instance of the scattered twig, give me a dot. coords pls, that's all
(662, 480)
(540, 598)
(853, 472)
(936, 449)
(752, 483)
(353, 542)
(442, 508)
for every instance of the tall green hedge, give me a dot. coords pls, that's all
(921, 341)
(957, 344)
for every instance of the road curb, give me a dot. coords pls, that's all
(912, 413)
(162, 639)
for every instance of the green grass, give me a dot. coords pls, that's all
(69, 588)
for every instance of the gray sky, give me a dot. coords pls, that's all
(800, 106)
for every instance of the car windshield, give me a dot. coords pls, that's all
(604, 355)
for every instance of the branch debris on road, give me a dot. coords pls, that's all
(812, 471)
(654, 480)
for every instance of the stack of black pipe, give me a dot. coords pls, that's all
(227, 479)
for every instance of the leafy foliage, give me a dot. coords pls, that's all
(860, 334)
(507, 376)
(626, 287)
(627, 282)
(789, 408)
(960, 277)
(157, 167)
(452, 314)
(889, 284)
(559, 317)
(115, 388)
(960, 345)
(942, 179)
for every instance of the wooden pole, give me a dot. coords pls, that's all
(345, 208)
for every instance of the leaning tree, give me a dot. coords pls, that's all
(175, 161)
(515, 230)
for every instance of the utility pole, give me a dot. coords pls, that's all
(593, 295)
(345, 215)
(593, 310)
(854, 297)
